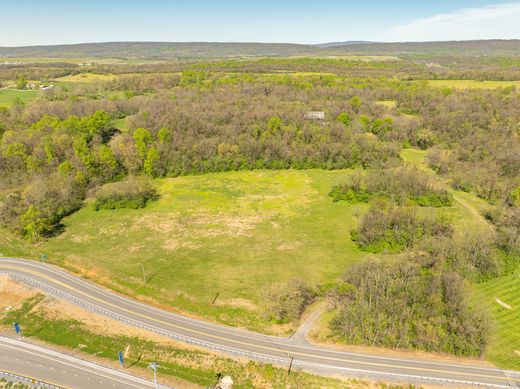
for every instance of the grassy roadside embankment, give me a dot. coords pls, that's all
(96, 338)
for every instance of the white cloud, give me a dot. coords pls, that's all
(500, 21)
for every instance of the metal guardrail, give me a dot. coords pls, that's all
(232, 351)
(30, 380)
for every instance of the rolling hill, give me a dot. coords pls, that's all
(173, 50)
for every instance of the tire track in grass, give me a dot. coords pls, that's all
(417, 160)
(471, 210)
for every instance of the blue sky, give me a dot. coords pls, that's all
(31, 22)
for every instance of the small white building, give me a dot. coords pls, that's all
(315, 115)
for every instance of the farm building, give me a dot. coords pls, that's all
(315, 115)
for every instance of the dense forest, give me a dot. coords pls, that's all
(171, 119)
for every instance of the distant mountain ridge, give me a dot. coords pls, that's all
(173, 50)
(496, 47)
(159, 50)
(339, 44)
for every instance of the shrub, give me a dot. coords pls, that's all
(285, 302)
(507, 220)
(132, 193)
(404, 185)
(345, 193)
(390, 228)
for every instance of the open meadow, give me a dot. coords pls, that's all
(228, 233)
(9, 96)
(86, 78)
(473, 84)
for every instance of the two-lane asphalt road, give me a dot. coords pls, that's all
(243, 343)
(49, 368)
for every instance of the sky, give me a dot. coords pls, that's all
(38, 22)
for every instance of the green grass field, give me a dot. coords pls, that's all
(502, 296)
(228, 233)
(86, 78)
(472, 84)
(352, 57)
(7, 96)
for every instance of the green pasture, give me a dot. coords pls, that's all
(8, 96)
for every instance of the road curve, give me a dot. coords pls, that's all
(242, 343)
(48, 368)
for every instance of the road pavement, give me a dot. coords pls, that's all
(48, 368)
(254, 346)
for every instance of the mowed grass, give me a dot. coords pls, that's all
(473, 84)
(8, 96)
(502, 296)
(231, 234)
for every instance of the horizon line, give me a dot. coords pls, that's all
(347, 42)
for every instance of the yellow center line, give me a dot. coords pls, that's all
(294, 353)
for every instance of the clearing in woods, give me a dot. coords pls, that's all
(8, 96)
(235, 233)
(473, 84)
(86, 78)
(229, 233)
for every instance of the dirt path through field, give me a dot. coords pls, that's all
(471, 210)
(314, 313)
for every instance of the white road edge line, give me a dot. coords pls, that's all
(77, 363)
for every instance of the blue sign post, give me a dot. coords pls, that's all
(17, 329)
(121, 359)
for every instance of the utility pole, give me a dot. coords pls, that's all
(154, 366)
(144, 275)
(290, 366)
